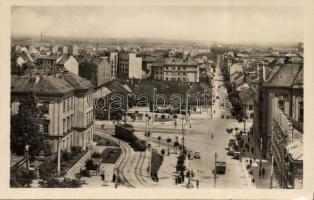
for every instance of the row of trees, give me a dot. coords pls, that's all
(237, 110)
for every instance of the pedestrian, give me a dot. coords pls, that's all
(116, 185)
(102, 177)
(212, 135)
(259, 174)
(189, 156)
(176, 180)
(192, 173)
(263, 172)
(253, 180)
(252, 150)
(114, 177)
(251, 161)
(197, 183)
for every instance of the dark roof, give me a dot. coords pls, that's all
(40, 84)
(58, 84)
(246, 95)
(286, 75)
(77, 82)
(63, 59)
(180, 61)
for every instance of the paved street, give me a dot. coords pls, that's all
(197, 138)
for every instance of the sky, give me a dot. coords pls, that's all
(259, 24)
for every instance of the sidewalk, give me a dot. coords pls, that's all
(259, 181)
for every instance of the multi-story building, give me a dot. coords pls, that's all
(113, 60)
(247, 100)
(129, 66)
(157, 71)
(177, 69)
(69, 63)
(72, 49)
(278, 121)
(67, 105)
(95, 69)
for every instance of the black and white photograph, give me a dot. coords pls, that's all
(136, 96)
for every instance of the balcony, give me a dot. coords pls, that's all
(290, 127)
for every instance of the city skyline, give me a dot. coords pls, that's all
(261, 25)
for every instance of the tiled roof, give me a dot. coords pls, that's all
(51, 84)
(62, 59)
(246, 95)
(239, 80)
(40, 84)
(77, 82)
(180, 61)
(285, 76)
(298, 83)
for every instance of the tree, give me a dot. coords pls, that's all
(21, 178)
(26, 127)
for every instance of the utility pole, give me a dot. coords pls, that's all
(215, 176)
(260, 158)
(271, 162)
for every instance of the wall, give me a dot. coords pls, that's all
(72, 65)
(135, 66)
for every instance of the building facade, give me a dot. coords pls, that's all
(113, 60)
(67, 106)
(129, 66)
(278, 121)
(95, 69)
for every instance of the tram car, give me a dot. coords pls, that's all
(127, 133)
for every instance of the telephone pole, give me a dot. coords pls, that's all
(215, 175)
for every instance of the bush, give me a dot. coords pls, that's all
(89, 164)
(66, 156)
(21, 178)
(96, 155)
(65, 183)
(75, 150)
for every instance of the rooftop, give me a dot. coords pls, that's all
(287, 75)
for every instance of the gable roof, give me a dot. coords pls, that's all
(246, 95)
(286, 75)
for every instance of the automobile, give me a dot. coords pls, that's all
(217, 97)
(229, 130)
(231, 151)
(197, 155)
(220, 167)
(232, 142)
(236, 155)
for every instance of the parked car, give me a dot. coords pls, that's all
(232, 142)
(236, 155)
(220, 167)
(231, 151)
(197, 155)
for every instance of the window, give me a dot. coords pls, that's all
(68, 104)
(68, 123)
(45, 107)
(250, 107)
(64, 126)
(46, 126)
(301, 111)
(64, 106)
(72, 121)
(183, 73)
